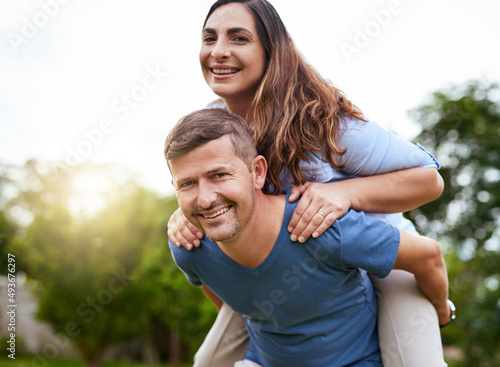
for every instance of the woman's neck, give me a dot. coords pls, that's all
(239, 108)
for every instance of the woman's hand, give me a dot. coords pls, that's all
(393, 192)
(182, 233)
(321, 204)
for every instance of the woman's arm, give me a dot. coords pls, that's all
(385, 174)
(212, 297)
(392, 192)
(182, 233)
(422, 256)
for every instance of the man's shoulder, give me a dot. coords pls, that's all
(354, 225)
(353, 217)
(190, 255)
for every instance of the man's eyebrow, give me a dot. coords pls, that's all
(229, 31)
(178, 180)
(217, 170)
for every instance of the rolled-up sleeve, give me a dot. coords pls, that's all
(372, 150)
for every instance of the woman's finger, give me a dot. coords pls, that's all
(182, 233)
(296, 192)
(300, 218)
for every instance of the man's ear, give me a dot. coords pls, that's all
(259, 170)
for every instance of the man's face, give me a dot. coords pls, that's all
(215, 190)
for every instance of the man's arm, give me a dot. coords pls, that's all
(421, 256)
(212, 297)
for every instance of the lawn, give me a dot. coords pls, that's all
(62, 362)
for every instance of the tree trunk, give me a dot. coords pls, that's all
(175, 349)
(93, 362)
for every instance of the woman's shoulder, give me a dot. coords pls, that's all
(351, 124)
(353, 131)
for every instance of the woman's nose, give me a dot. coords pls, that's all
(221, 50)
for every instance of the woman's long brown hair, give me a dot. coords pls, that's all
(294, 110)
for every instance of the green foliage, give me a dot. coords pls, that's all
(7, 232)
(81, 263)
(462, 127)
(20, 347)
(190, 314)
(67, 362)
(95, 250)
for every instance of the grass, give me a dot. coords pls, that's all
(63, 362)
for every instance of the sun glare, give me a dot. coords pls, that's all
(89, 195)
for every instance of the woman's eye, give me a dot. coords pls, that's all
(208, 39)
(240, 39)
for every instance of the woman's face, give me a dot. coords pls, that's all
(232, 57)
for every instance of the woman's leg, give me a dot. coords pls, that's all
(226, 342)
(408, 325)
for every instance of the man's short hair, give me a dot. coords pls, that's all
(203, 126)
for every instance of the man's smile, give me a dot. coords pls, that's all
(217, 213)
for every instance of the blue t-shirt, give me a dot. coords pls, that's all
(306, 304)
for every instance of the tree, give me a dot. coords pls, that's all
(190, 314)
(95, 251)
(85, 239)
(8, 230)
(462, 127)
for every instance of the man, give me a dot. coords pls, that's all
(308, 304)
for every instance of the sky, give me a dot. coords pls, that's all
(105, 80)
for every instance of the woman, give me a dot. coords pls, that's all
(315, 138)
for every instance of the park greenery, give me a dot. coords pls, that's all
(95, 253)
(92, 243)
(461, 126)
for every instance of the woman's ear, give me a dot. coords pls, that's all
(259, 170)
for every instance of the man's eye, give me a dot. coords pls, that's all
(219, 175)
(186, 184)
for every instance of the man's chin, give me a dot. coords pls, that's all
(218, 235)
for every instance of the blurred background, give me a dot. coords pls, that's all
(89, 91)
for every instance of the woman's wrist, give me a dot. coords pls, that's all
(451, 309)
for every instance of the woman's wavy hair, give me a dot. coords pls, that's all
(294, 110)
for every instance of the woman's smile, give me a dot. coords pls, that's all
(232, 56)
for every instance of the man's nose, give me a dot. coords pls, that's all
(206, 195)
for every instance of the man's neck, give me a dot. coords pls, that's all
(256, 242)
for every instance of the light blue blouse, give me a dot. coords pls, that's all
(371, 150)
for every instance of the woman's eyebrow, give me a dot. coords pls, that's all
(237, 29)
(209, 30)
(229, 31)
